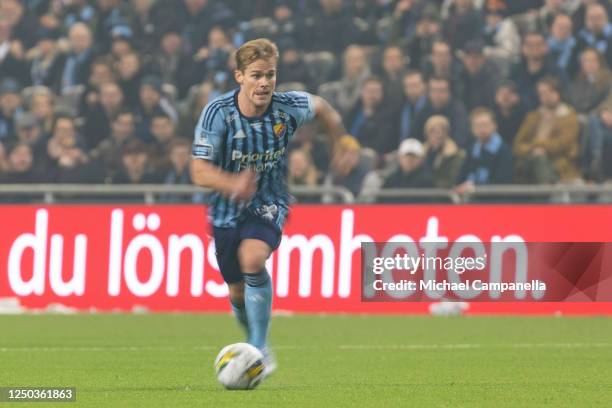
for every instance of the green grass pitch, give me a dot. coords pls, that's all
(165, 360)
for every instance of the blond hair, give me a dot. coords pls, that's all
(435, 121)
(254, 50)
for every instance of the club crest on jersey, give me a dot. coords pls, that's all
(280, 129)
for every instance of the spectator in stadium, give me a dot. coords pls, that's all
(67, 151)
(130, 76)
(110, 14)
(211, 60)
(28, 131)
(562, 44)
(345, 93)
(163, 130)
(331, 28)
(287, 26)
(392, 72)
(441, 102)
(78, 61)
(597, 32)
(540, 20)
(479, 77)
(172, 65)
(22, 24)
(135, 167)
(579, 13)
(373, 122)
(546, 146)
(196, 18)
(441, 63)
(404, 22)
(77, 11)
(348, 167)
(20, 169)
(292, 67)
(152, 102)
(121, 42)
(415, 99)
(42, 105)
(442, 155)
(47, 61)
(428, 30)
(301, 170)
(12, 62)
(109, 151)
(100, 73)
(489, 159)
(148, 19)
(178, 173)
(597, 145)
(592, 84)
(98, 120)
(412, 171)
(501, 38)
(464, 23)
(190, 110)
(509, 111)
(10, 107)
(535, 65)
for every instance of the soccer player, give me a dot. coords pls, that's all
(240, 152)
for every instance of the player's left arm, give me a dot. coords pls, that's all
(329, 118)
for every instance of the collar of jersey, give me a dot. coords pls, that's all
(252, 118)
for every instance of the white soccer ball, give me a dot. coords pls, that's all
(239, 366)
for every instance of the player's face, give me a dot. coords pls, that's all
(258, 81)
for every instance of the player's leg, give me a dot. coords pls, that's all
(227, 241)
(252, 255)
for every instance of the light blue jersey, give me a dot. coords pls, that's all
(235, 142)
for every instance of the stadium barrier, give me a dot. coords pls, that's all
(155, 193)
(161, 257)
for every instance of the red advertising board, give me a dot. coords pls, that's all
(162, 257)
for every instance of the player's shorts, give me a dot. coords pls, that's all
(227, 241)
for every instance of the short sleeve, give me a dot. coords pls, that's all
(209, 133)
(300, 105)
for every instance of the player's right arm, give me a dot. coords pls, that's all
(205, 169)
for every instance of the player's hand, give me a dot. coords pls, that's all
(244, 185)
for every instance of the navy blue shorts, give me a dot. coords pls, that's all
(227, 241)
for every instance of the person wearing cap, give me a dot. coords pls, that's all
(479, 77)
(48, 63)
(489, 159)
(412, 171)
(10, 107)
(509, 111)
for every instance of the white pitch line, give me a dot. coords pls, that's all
(470, 346)
(364, 347)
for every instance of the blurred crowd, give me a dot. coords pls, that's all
(438, 93)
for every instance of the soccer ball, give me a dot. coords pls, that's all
(239, 366)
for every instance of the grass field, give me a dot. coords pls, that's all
(325, 361)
